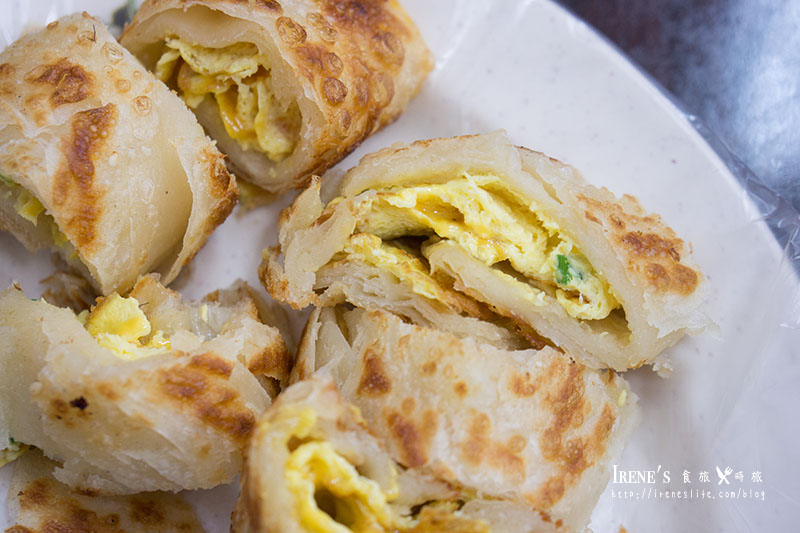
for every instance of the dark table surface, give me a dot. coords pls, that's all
(735, 64)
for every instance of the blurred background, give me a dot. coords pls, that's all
(735, 64)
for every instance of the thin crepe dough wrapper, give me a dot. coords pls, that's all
(476, 227)
(143, 393)
(287, 89)
(528, 436)
(313, 465)
(100, 162)
(37, 502)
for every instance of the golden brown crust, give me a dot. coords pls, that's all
(201, 387)
(114, 157)
(531, 428)
(43, 505)
(655, 290)
(359, 62)
(650, 248)
(185, 413)
(75, 190)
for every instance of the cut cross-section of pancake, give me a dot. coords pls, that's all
(313, 465)
(530, 431)
(140, 393)
(287, 89)
(100, 162)
(476, 227)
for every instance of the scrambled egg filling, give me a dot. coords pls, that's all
(31, 209)
(119, 325)
(493, 224)
(330, 495)
(317, 475)
(239, 79)
(372, 250)
(12, 451)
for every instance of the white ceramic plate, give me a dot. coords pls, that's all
(556, 86)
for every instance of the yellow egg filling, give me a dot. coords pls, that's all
(119, 325)
(493, 224)
(318, 476)
(28, 207)
(12, 451)
(239, 79)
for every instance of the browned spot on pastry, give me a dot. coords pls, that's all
(327, 32)
(374, 381)
(657, 276)
(389, 47)
(18, 529)
(566, 404)
(107, 390)
(460, 389)
(35, 494)
(332, 64)
(71, 82)
(203, 391)
(290, 31)
(334, 91)
(572, 455)
(650, 245)
(344, 121)
(362, 16)
(274, 360)
(474, 448)
(616, 221)
(146, 511)
(685, 279)
(223, 187)
(413, 441)
(6, 69)
(74, 186)
(429, 368)
(408, 405)
(651, 249)
(522, 386)
(58, 406)
(517, 443)
(83, 491)
(479, 448)
(268, 5)
(361, 89)
(212, 363)
(591, 217)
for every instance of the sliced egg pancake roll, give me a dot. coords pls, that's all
(313, 465)
(476, 227)
(530, 430)
(100, 162)
(140, 393)
(39, 503)
(287, 89)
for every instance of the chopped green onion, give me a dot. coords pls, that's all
(8, 181)
(563, 275)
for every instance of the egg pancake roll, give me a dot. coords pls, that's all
(100, 162)
(530, 430)
(287, 89)
(140, 393)
(475, 227)
(313, 465)
(38, 503)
